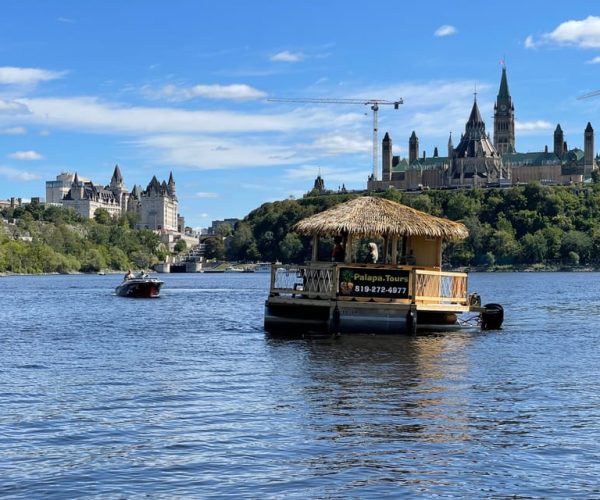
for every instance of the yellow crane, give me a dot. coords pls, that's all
(373, 103)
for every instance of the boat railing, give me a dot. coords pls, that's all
(311, 280)
(440, 287)
(322, 280)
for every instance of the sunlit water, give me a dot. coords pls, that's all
(186, 397)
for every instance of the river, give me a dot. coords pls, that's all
(186, 397)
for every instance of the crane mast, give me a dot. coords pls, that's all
(374, 103)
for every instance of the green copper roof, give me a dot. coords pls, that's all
(503, 92)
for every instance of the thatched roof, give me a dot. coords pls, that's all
(370, 216)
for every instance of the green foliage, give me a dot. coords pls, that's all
(214, 248)
(102, 216)
(180, 246)
(531, 225)
(63, 243)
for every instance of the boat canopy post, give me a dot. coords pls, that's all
(394, 249)
(348, 249)
(385, 249)
(315, 248)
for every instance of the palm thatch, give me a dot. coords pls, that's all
(370, 216)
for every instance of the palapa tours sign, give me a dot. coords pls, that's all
(384, 283)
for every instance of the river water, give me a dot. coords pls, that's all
(186, 397)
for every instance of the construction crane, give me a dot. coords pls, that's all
(589, 94)
(373, 103)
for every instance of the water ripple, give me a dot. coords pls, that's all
(186, 397)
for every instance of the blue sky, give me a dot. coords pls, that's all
(182, 86)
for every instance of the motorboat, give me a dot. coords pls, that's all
(140, 286)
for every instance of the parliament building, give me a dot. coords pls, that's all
(477, 160)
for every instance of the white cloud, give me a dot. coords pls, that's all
(65, 20)
(203, 153)
(205, 195)
(26, 155)
(237, 91)
(287, 56)
(530, 43)
(13, 131)
(27, 76)
(532, 126)
(595, 60)
(584, 34)
(89, 114)
(338, 143)
(13, 108)
(445, 30)
(18, 175)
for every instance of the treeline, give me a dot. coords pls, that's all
(533, 225)
(40, 239)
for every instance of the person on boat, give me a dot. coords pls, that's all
(373, 254)
(129, 275)
(337, 254)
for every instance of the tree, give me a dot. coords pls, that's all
(579, 243)
(241, 240)
(180, 246)
(291, 248)
(214, 248)
(534, 248)
(224, 230)
(102, 216)
(93, 261)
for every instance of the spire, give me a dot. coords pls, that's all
(117, 178)
(503, 92)
(171, 184)
(76, 180)
(450, 141)
(589, 127)
(475, 119)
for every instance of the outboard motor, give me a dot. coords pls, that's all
(492, 317)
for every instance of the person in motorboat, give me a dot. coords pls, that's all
(129, 275)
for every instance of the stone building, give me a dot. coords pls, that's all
(85, 198)
(57, 189)
(156, 207)
(477, 161)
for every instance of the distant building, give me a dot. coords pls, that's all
(156, 207)
(56, 190)
(477, 161)
(216, 224)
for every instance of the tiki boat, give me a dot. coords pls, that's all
(406, 293)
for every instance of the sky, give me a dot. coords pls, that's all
(184, 87)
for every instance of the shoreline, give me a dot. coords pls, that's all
(496, 269)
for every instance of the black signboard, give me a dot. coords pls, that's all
(366, 282)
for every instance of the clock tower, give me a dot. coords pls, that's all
(504, 119)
